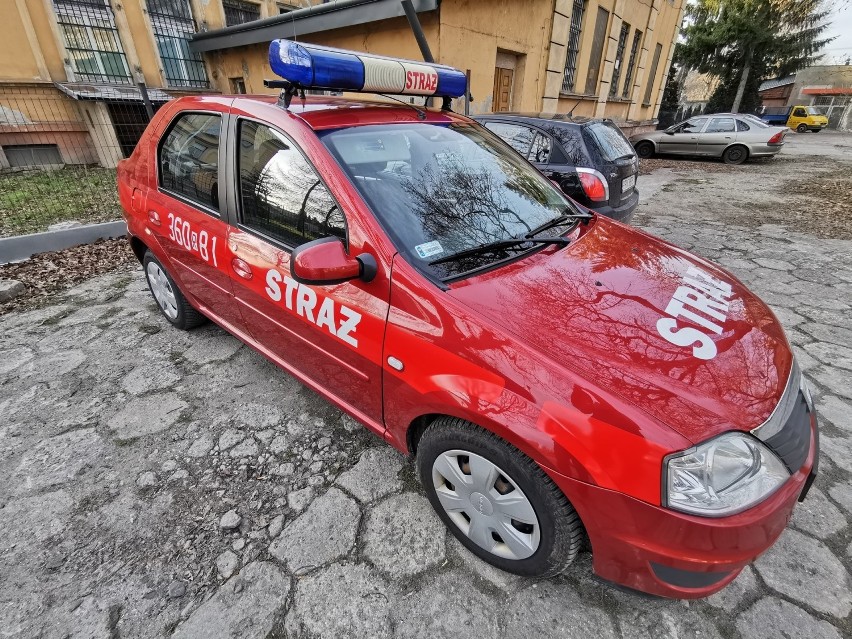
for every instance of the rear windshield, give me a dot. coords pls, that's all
(610, 141)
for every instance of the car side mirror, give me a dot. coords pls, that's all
(324, 261)
(669, 132)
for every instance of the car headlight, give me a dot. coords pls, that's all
(722, 476)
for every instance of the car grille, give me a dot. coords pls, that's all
(792, 442)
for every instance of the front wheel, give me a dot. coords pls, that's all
(735, 155)
(496, 500)
(802, 128)
(645, 150)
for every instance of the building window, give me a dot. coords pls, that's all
(597, 50)
(91, 40)
(658, 51)
(631, 64)
(240, 12)
(619, 59)
(573, 46)
(173, 26)
(238, 86)
(24, 156)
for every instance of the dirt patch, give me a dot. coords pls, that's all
(650, 165)
(825, 208)
(46, 274)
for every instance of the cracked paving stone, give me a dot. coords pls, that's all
(146, 416)
(12, 358)
(55, 365)
(449, 608)
(149, 377)
(666, 623)
(58, 460)
(833, 354)
(246, 448)
(244, 606)
(546, 610)
(201, 446)
(771, 618)
(838, 449)
(828, 333)
(731, 596)
(374, 476)
(324, 532)
(842, 494)
(837, 411)
(404, 535)
(818, 516)
(230, 520)
(806, 571)
(298, 500)
(230, 438)
(227, 564)
(38, 517)
(212, 347)
(343, 601)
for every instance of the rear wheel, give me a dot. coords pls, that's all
(802, 128)
(496, 500)
(735, 154)
(645, 149)
(171, 301)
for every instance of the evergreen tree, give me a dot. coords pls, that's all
(726, 91)
(741, 39)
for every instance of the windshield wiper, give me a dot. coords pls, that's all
(562, 219)
(499, 245)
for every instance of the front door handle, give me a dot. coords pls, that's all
(241, 268)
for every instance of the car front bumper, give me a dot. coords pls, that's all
(671, 554)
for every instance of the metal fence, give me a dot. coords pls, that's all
(58, 153)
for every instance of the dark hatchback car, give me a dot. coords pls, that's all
(589, 158)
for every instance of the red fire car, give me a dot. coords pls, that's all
(557, 374)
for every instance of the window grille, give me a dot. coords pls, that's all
(619, 58)
(91, 40)
(570, 72)
(240, 12)
(173, 25)
(631, 64)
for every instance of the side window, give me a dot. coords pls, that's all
(540, 149)
(690, 126)
(800, 113)
(189, 158)
(519, 137)
(721, 125)
(280, 193)
(742, 126)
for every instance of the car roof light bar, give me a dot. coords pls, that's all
(310, 66)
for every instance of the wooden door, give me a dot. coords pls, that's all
(502, 89)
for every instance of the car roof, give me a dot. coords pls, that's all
(329, 112)
(556, 118)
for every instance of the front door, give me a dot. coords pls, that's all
(682, 138)
(185, 213)
(332, 335)
(502, 98)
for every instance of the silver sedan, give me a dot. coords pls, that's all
(730, 136)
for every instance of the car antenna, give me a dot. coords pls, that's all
(571, 112)
(421, 113)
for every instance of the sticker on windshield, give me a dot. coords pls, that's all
(429, 249)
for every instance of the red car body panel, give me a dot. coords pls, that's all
(559, 353)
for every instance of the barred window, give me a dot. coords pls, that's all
(570, 72)
(631, 65)
(173, 26)
(240, 12)
(91, 40)
(619, 58)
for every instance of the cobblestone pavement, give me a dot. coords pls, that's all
(159, 482)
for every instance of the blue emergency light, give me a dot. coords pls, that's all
(309, 66)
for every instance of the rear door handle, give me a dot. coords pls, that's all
(241, 268)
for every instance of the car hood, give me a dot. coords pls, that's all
(639, 317)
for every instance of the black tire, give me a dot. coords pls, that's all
(185, 317)
(802, 128)
(736, 154)
(645, 149)
(561, 532)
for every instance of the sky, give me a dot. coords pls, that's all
(841, 26)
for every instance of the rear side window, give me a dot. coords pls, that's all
(609, 140)
(189, 158)
(540, 149)
(281, 195)
(721, 125)
(742, 126)
(519, 137)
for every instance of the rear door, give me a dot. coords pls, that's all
(184, 211)
(718, 135)
(683, 138)
(331, 335)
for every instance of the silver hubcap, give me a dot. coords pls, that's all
(162, 289)
(486, 504)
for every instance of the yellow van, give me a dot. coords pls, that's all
(801, 118)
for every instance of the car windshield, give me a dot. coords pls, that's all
(814, 111)
(610, 140)
(442, 189)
